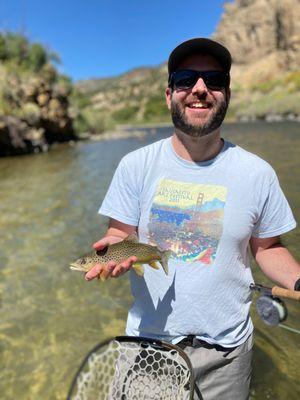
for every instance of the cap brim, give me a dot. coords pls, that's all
(199, 46)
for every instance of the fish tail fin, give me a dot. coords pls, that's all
(164, 260)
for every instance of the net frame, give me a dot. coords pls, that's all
(140, 366)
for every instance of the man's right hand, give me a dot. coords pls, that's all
(112, 269)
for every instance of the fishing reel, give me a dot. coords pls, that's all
(271, 309)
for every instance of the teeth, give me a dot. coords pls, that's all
(198, 105)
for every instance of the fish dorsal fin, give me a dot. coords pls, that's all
(132, 238)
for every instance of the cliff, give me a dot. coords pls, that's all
(256, 29)
(264, 38)
(34, 98)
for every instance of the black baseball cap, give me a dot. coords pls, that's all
(201, 46)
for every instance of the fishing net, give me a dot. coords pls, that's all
(127, 368)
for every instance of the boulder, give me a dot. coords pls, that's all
(16, 137)
(39, 111)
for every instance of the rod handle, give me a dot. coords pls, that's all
(290, 294)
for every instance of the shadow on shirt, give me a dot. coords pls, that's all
(153, 318)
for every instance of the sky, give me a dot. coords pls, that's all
(104, 38)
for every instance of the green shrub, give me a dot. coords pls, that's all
(293, 80)
(18, 49)
(80, 124)
(125, 114)
(266, 86)
(3, 53)
(90, 120)
(156, 108)
(80, 100)
(5, 108)
(37, 57)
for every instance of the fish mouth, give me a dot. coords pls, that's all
(73, 266)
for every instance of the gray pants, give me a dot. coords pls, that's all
(221, 373)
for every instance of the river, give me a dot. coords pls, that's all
(51, 317)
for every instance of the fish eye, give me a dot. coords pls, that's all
(83, 261)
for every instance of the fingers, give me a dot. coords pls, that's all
(107, 270)
(98, 270)
(123, 267)
(93, 272)
(111, 269)
(106, 241)
(101, 244)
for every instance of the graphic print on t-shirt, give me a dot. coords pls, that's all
(187, 218)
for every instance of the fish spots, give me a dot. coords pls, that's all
(119, 253)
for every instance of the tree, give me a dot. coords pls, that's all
(37, 57)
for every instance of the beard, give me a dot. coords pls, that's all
(202, 128)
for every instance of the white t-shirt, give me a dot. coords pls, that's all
(205, 213)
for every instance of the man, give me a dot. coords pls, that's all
(205, 199)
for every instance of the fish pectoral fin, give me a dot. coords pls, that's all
(133, 237)
(154, 264)
(138, 269)
(103, 275)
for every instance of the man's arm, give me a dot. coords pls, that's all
(275, 261)
(116, 232)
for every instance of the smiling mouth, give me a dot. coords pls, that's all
(198, 105)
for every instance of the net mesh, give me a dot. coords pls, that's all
(132, 371)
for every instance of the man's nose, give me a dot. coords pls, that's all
(199, 87)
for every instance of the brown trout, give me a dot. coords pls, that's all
(118, 252)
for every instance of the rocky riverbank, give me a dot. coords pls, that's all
(40, 115)
(34, 98)
(38, 106)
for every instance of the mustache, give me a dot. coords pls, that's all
(214, 121)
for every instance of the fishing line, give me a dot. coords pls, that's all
(288, 328)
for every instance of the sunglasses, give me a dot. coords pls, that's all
(186, 78)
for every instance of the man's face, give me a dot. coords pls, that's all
(199, 110)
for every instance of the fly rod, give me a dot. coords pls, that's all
(276, 291)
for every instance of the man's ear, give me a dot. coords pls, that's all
(168, 94)
(228, 94)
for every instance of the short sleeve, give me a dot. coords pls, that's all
(122, 198)
(276, 216)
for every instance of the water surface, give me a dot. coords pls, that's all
(51, 317)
